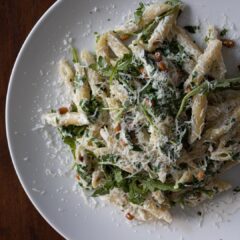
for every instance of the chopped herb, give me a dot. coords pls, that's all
(192, 29)
(139, 12)
(223, 32)
(73, 107)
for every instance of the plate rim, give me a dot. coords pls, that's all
(7, 113)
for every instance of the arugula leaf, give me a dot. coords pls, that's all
(108, 159)
(127, 65)
(91, 107)
(103, 190)
(137, 194)
(103, 67)
(72, 131)
(71, 143)
(75, 55)
(73, 107)
(137, 186)
(85, 173)
(69, 135)
(139, 12)
(206, 87)
(154, 185)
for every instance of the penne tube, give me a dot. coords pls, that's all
(199, 109)
(191, 48)
(204, 64)
(66, 72)
(161, 32)
(72, 118)
(102, 48)
(93, 77)
(118, 48)
(150, 13)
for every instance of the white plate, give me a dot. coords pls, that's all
(31, 92)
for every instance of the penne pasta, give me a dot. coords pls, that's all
(116, 45)
(150, 13)
(161, 32)
(205, 62)
(191, 48)
(66, 72)
(152, 121)
(199, 109)
(56, 119)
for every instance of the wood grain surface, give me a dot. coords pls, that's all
(18, 218)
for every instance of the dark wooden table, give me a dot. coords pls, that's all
(18, 218)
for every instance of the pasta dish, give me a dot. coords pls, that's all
(153, 120)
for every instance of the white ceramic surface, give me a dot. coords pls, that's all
(32, 90)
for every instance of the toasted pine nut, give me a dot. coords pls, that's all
(63, 110)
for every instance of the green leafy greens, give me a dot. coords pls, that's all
(137, 186)
(207, 87)
(139, 13)
(92, 107)
(75, 55)
(70, 134)
(128, 65)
